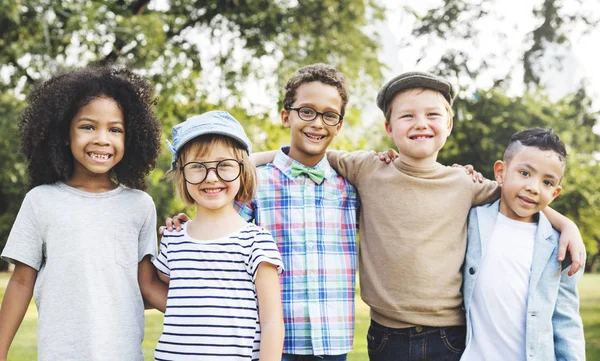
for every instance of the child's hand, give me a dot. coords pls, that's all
(176, 222)
(477, 177)
(570, 239)
(388, 156)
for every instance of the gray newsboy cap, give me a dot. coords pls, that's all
(410, 80)
(213, 122)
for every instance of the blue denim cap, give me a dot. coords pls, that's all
(213, 122)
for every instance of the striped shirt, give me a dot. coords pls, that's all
(212, 311)
(314, 227)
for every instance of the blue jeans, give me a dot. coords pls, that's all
(419, 343)
(290, 357)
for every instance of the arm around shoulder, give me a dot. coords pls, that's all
(570, 239)
(569, 342)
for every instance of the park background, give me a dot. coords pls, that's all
(516, 64)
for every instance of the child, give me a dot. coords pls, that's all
(81, 240)
(311, 212)
(224, 299)
(519, 300)
(413, 225)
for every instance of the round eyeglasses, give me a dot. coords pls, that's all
(227, 170)
(309, 114)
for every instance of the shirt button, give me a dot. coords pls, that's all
(310, 245)
(472, 270)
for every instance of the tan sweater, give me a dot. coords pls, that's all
(413, 231)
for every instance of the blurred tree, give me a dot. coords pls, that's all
(459, 22)
(12, 164)
(200, 55)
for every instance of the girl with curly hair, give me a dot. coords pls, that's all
(84, 235)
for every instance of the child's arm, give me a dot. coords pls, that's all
(569, 342)
(570, 239)
(270, 312)
(262, 158)
(14, 305)
(153, 289)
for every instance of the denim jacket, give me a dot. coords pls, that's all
(553, 330)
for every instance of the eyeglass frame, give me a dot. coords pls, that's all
(317, 113)
(241, 164)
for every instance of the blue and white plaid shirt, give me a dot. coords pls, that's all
(314, 227)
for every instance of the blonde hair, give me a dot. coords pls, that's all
(447, 105)
(201, 146)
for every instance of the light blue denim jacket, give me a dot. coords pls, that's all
(554, 330)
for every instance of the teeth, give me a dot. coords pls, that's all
(314, 136)
(99, 156)
(212, 190)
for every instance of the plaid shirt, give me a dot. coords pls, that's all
(314, 227)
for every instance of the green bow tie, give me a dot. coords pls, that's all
(316, 175)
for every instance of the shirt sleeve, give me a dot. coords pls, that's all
(569, 342)
(348, 164)
(25, 242)
(161, 261)
(147, 239)
(486, 192)
(263, 249)
(246, 210)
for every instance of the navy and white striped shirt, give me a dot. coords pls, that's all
(212, 310)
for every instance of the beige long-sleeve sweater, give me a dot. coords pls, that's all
(413, 224)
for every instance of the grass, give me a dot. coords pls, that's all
(24, 349)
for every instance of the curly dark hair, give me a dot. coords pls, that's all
(44, 126)
(323, 73)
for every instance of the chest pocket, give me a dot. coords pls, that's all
(126, 249)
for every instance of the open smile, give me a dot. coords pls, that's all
(315, 137)
(420, 137)
(99, 156)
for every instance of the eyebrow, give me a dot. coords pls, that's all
(95, 121)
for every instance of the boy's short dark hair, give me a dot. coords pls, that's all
(323, 73)
(544, 139)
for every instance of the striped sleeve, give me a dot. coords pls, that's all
(263, 249)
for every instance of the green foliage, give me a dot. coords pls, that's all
(190, 50)
(12, 176)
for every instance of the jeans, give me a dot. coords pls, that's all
(419, 343)
(290, 357)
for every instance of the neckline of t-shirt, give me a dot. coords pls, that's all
(227, 236)
(81, 193)
(410, 169)
(514, 223)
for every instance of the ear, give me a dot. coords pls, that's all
(388, 128)
(499, 171)
(556, 192)
(450, 124)
(339, 127)
(285, 118)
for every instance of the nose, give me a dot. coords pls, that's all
(211, 175)
(533, 186)
(102, 138)
(420, 122)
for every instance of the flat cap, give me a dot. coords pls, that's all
(411, 80)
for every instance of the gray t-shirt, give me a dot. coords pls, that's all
(86, 247)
